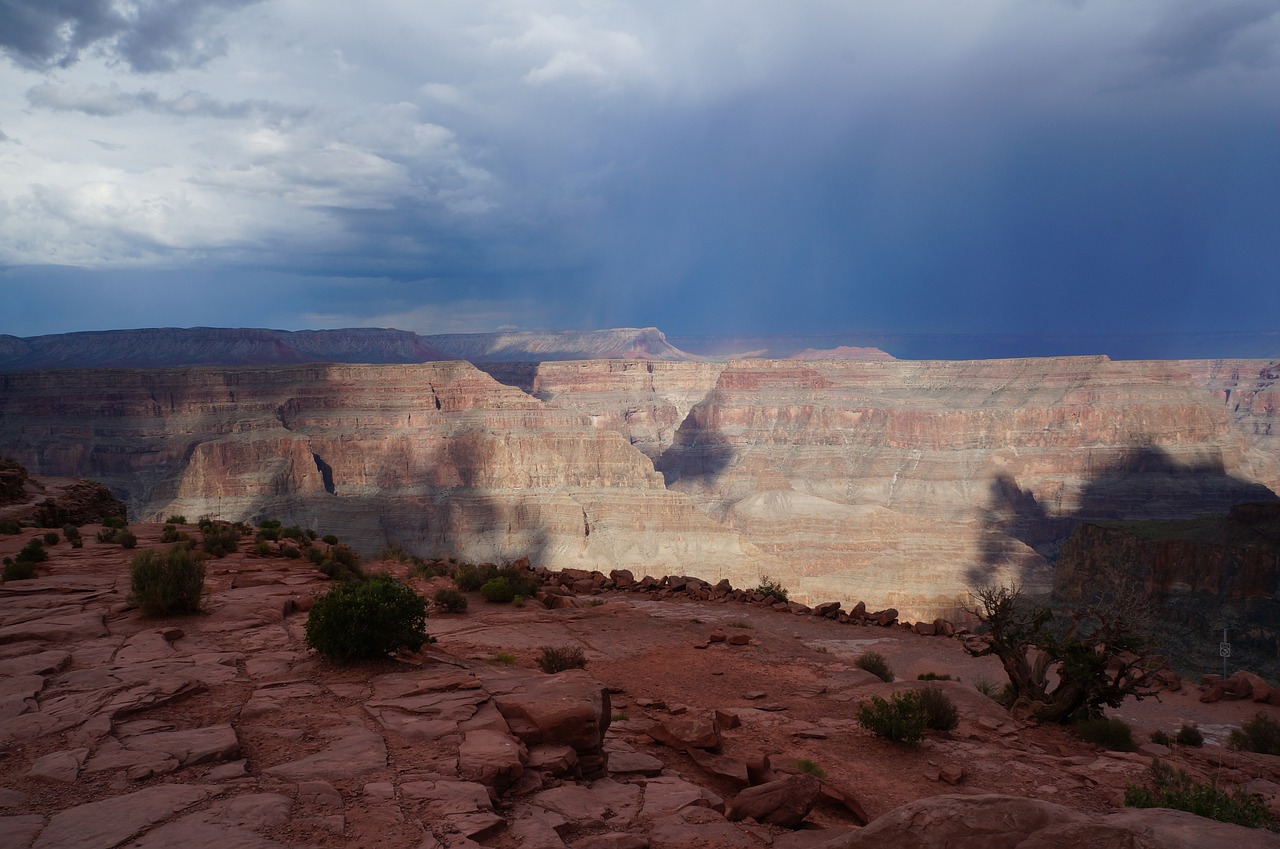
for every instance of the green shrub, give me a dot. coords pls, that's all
(933, 676)
(808, 766)
(470, 578)
(368, 619)
(262, 548)
(1109, 732)
(18, 570)
(552, 659)
(51, 538)
(127, 538)
(498, 591)
(450, 601)
(117, 522)
(771, 589)
(517, 601)
(293, 532)
(219, 538)
(290, 551)
(1161, 737)
(875, 663)
(425, 570)
(940, 712)
(106, 535)
(9, 526)
(1189, 735)
(503, 658)
(394, 551)
(329, 539)
(1177, 790)
(167, 582)
(169, 533)
(900, 719)
(73, 535)
(1260, 734)
(315, 555)
(33, 552)
(269, 529)
(176, 519)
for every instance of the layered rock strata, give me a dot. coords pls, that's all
(901, 483)
(438, 456)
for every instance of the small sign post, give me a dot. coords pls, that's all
(1224, 650)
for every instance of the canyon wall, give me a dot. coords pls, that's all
(437, 456)
(899, 483)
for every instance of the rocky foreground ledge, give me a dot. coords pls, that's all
(222, 730)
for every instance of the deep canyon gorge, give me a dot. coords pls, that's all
(901, 483)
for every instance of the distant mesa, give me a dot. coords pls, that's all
(170, 347)
(841, 352)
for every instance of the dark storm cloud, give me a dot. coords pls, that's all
(107, 101)
(1197, 37)
(148, 35)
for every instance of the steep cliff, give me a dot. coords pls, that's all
(1203, 575)
(438, 456)
(899, 483)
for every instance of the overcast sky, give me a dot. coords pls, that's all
(706, 167)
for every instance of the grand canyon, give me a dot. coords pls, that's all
(901, 483)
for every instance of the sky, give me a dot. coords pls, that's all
(816, 166)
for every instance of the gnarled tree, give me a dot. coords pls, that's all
(1070, 666)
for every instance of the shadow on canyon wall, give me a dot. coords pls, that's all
(698, 454)
(1144, 483)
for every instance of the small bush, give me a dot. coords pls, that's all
(901, 719)
(771, 589)
(394, 551)
(117, 522)
(517, 601)
(293, 532)
(269, 530)
(933, 676)
(619, 716)
(33, 552)
(18, 570)
(73, 535)
(127, 538)
(498, 591)
(808, 766)
(1260, 734)
(1111, 733)
(51, 538)
(450, 601)
(106, 535)
(329, 539)
(940, 712)
(1189, 735)
(290, 551)
(167, 582)
(219, 538)
(502, 658)
(875, 663)
(990, 689)
(171, 534)
(423, 569)
(262, 548)
(176, 519)
(552, 659)
(1161, 738)
(9, 526)
(1177, 790)
(369, 619)
(315, 555)
(739, 623)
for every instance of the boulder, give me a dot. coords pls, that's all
(491, 758)
(696, 731)
(569, 708)
(785, 802)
